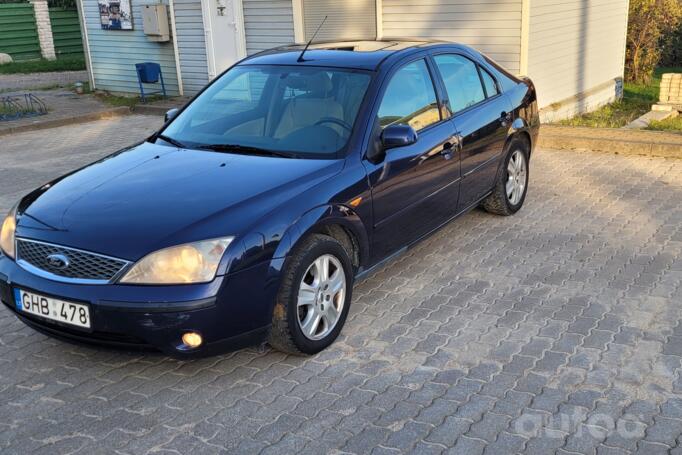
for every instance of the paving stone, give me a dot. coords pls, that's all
(448, 432)
(468, 446)
(666, 431)
(406, 437)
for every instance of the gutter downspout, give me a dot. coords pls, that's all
(86, 43)
(625, 47)
(208, 40)
(379, 11)
(299, 25)
(175, 47)
(525, 37)
(240, 28)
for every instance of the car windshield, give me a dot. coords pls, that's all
(305, 112)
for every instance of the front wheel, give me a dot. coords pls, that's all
(314, 298)
(511, 185)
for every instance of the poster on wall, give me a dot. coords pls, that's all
(115, 14)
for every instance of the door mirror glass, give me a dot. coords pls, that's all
(170, 115)
(398, 135)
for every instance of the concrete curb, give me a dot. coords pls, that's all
(89, 117)
(619, 141)
(148, 109)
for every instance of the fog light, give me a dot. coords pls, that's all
(192, 339)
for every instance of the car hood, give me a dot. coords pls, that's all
(152, 196)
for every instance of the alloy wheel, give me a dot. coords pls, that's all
(321, 297)
(516, 180)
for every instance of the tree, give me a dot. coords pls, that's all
(649, 21)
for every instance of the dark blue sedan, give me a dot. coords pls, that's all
(248, 216)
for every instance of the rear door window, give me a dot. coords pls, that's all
(489, 83)
(461, 79)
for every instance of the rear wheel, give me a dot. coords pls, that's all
(511, 185)
(314, 298)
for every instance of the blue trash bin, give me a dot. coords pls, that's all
(149, 73)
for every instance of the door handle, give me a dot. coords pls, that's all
(455, 142)
(452, 145)
(505, 118)
(447, 151)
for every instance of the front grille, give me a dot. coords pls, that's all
(82, 265)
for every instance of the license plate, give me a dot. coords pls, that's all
(57, 310)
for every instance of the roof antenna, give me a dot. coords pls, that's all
(300, 57)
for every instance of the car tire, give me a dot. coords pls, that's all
(511, 184)
(306, 293)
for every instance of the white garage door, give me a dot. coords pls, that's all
(346, 19)
(267, 23)
(493, 27)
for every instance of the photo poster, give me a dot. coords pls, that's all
(115, 14)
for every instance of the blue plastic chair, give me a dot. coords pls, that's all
(149, 73)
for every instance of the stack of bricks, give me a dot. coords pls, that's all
(670, 97)
(44, 28)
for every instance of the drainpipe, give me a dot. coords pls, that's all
(299, 26)
(86, 43)
(379, 11)
(174, 33)
(240, 28)
(208, 39)
(525, 37)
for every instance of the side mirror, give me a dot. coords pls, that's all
(398, 135)
(170, 115)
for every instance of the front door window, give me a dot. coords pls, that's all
(410, 98)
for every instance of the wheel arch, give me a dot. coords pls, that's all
(519, 129)
(335, 220)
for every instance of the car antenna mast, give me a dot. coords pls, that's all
(300, 57)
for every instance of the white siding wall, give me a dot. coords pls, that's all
(346, 19)
(115, 52)
(491, 26)
(574, 46)
(267, 23)
(191, 45)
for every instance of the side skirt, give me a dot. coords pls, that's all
(364, 273)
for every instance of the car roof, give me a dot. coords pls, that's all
(366, 55)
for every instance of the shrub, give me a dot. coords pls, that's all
(649, 21)
(671, 48)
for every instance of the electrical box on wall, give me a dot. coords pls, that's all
(155, 22)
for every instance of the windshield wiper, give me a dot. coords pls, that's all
(172, 141)
(244, 150)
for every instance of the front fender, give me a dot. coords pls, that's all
(326, 215)
(313, 221)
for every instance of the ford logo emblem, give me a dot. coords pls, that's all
(58, 261)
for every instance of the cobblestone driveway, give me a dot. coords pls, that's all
(556, 329)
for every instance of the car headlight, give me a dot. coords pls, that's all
(9, 227)
(183, 264)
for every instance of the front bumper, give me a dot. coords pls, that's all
(231, 312)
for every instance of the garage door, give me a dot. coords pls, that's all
(267, 23)
(493, 27)
(346, 19)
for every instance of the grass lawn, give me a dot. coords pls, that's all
(70, 63)
(637, 100)
(669, 124)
